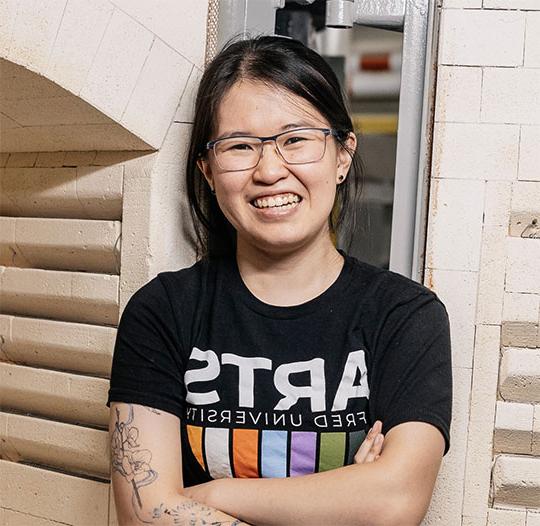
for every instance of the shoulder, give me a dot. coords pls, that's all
(387, 289)
(169, 286)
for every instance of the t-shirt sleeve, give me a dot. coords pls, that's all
(412, 378)
(147, 366)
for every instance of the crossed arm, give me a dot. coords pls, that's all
(394, 489)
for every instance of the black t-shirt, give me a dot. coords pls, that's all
(270, 391)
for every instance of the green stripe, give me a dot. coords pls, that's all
(332, 451)
(355, 440)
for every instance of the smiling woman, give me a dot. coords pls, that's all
(244, 387)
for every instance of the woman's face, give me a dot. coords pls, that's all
(253, 108)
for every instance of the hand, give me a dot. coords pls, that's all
(371, 447)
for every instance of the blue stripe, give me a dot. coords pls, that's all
(274, 454)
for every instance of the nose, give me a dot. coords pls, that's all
(271, 165)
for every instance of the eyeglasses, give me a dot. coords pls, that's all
(299, 146)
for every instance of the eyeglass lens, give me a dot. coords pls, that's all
(296, 147)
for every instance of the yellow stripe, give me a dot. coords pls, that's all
(375, 123)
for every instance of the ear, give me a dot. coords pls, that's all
(204, 167)
(344, 159)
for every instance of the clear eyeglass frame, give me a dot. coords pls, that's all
(211, 145)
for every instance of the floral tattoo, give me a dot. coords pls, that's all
(127, 457)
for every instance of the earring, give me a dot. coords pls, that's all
(212, 191)
(341, 177)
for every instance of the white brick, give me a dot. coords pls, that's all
(7, 123)
(65, 446)
(513, 427)
(447, 497)
(17, 82)
(79, 158)
(181, 24)
(516, 481)
(456, 224)
(17, 518)
(492, 275)
(497, 203)
(485, 374)
(70, 296)
(506, 517)
(52, 495)
(186, 108)
(482, 38)
(525, 196)
(511, 95)
(82, 28)
(536, 433)
(34, 32)
(467, 4)
(77, 347)
(522, 268)
(117, 64)
(458, 94)
(50, 159)
(529, 154)
(61, 396)
(167, 251)
(153, 103)
(21, 160)
(512, 4)
(54, 111)
(482, 417)
(90, 192)
(66, 244)
(72, 137)
(532, 40)
(521, 307)
(476, 151)
(458, 291)
(533, 519)
(8, 17)
(520, 375)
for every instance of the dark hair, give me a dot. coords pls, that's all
(276, 61)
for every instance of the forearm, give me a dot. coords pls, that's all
(353, 495)
(174, 510)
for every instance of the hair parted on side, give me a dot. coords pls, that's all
(289, 65)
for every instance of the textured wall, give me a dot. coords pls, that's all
(80, 231)
(483, 257)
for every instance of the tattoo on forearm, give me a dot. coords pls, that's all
(192, 513)
(133, 463)
(152, 410)
(128, 459)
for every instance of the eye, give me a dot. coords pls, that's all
(236, 146)
(295, 139)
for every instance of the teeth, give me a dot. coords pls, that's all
(285, 200)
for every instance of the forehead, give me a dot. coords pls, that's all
(260, 109)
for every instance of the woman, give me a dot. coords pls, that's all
(260, 369)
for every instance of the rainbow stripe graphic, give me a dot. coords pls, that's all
(255, 453)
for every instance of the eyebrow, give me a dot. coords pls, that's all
(243, 133)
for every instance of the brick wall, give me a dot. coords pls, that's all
(483, 257)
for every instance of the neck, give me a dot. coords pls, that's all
(291, 278)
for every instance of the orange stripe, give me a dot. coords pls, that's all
(245, 452)
(195, 441)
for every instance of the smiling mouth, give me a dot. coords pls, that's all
(283, 201)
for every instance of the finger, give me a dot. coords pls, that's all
(368, 442)
(375, 450)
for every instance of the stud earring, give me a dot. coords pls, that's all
(341, 177)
